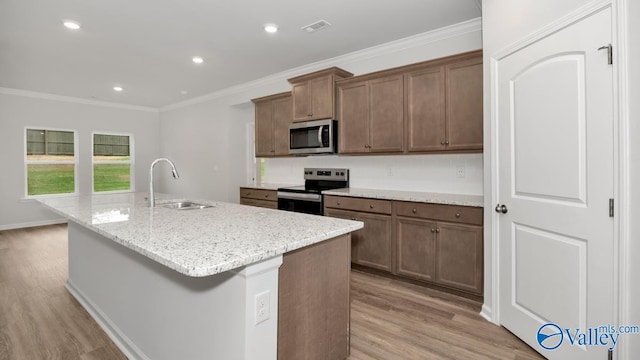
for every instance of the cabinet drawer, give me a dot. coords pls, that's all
(452, 213)
(259, 194)
(358, 204)
(259, 203)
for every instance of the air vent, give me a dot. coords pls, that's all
(318, 25)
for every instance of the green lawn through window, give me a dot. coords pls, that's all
(59, 178)
(111, 177)
(50, 179)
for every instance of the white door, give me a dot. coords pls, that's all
(555, 173)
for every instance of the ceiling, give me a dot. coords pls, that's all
(146, 46)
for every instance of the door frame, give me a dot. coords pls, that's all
(621, 240)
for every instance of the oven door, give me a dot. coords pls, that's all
(300, 202)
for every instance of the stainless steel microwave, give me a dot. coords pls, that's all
(313, 137)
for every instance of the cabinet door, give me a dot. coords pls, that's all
(425, 107)
(459, 256)
(353, 118)
(386, 114)
(301, 101)
(348, 215)
(282, 118)
(264, 129)
(322, 97)
(373, 242)
(416, 248)
(464, 104)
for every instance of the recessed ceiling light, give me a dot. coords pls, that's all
(69, 24)
(197, 59)
(271, 28)
(117, 88)
(183, 92)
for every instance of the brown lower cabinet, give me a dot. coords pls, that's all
(371, 246)
(430, 243)
(443, 253)
(259, 197)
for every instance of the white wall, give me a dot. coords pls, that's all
(17, 112)
(633, 255)
(431, 173)
(217, 168)
(207, 143)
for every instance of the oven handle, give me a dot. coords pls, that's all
(298, 196)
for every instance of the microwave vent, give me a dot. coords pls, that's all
(318, 25)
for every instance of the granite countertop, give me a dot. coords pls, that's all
(426, 197)
(267, 186)
(198, 242)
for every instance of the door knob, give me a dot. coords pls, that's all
(501, 208)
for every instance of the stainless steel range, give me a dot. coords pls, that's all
(308, 197)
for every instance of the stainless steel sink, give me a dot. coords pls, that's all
(184, 205)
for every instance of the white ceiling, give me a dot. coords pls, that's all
(147, 45)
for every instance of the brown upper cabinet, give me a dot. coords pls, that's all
(314, 94)
(433, 106)
(371, 115)
(444, 105)
(273, 117)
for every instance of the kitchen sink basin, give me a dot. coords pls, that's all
(184, 205)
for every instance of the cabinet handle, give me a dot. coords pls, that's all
(438, 230)
(414, 210)
(266, 196)
(442, 142)
(354, 219)
(457, 215)
(247, 194)
(338, 202)
(433, 230)
(371, 206)
(446, 142)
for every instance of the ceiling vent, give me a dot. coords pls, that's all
(318, 25)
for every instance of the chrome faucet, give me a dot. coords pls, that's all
(152, 196)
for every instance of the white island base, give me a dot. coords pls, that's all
(153, 312)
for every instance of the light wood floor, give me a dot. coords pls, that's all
(395, 320)
(39, 319)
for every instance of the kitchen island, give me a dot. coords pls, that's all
(224, 282)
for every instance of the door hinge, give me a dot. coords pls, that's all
(610, 207)
(609, 49)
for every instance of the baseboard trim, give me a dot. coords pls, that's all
(487, 314)
(130, 350)
(32, 224)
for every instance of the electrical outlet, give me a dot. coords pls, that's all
(262, 306)
(460, 171)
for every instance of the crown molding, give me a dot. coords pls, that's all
(75, 100)
(413, 41)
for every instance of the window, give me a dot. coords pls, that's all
(50, 162)
(112, 162)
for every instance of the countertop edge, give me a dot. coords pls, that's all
(267, 186)
(410, 196)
